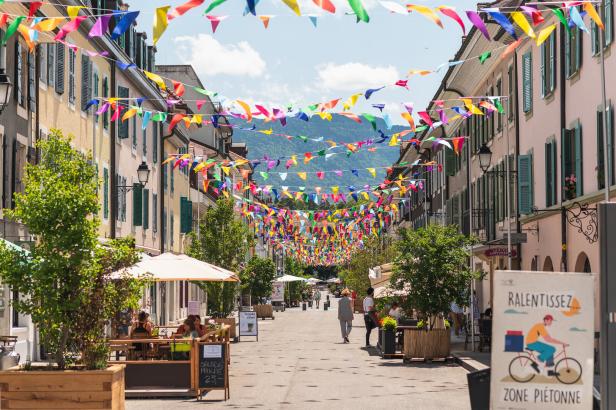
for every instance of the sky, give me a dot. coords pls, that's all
(292, 62)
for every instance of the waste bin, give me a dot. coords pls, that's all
(325, 305)
(479, 389)
(303, 305)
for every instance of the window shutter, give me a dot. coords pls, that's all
(567, 37)
(86, 81)
(527, 77)
(578, 49)
(105, 193)
(595, 38)
(450, 162)
(610, 143)
(185, 215)
(607, 21)
(550, 173)
(123, 92)
(137, 204)
(525, 200)
(552, 62)
(600, 151)
(155, 142)
(542, 70)
(554, 165)
(154, 212)
(579, 187)
(60, 52)
(146, 209)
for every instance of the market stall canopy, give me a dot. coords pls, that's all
(290, 278)
(333, 280)
(169, 267)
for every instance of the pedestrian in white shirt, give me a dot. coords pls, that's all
(370, 318)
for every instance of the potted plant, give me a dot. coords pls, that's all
(432, 268)
(387, 334)
(571, 186)
(67, 283)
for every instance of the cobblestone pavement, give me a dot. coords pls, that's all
(300, 362)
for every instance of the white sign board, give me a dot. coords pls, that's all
(248, 324)
(542, 340)
(278, 292)
(194, 307)
(212, 351)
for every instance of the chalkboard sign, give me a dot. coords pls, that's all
(212, 366)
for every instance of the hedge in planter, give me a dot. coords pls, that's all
(65, 282)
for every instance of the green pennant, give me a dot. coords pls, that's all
(360, 11)
(313, 107)
(483, 57)
(213, 5)
(321, 153)
(160, 117)
(498, 106)
(264, 175)
(561, 17)
(303, 138)
(12, 28)
(371, 119)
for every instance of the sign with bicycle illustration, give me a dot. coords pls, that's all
(542, 340)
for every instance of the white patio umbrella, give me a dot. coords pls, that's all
(333, 280)
(290, 278)
(169, 267)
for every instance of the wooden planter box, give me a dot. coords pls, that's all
(231, 322)
(264, 311)
(426, 344)
(70, 389)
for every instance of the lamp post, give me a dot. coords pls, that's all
(143, 175)
(5, 90)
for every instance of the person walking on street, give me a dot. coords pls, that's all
(370, 319)
(345, 315)
(317, 298)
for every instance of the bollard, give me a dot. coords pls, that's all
(325, 305)
(303, 305)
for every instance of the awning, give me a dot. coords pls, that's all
(384, 291)
(169, 267)
(290, 278)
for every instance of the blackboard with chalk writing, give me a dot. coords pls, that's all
(212, 366)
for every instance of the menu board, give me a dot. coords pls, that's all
(212, 366)
(248, 324)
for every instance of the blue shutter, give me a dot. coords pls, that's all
(525, 181)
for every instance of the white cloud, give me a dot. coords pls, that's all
(210, 57)
(355, 76)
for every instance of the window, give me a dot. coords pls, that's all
(548, 66)
(598, 36)
(121, 198)
(171, 179)
(123, 94)
(571, 164)
(95, 92)
(19, 75)
(31, 61)
(60, 52)
(155, 142)
(610, 147)
(185, 215)
(43, 63)
(134, 124)
(171, 229)
(105, 95)
(137, 204)
(51, 65)
(86, 81)
(72, 60)
(154, 212)
(551, 195)
(105, 193)
(525, 184)
(527, 82)
(510, 93)
(498, 114)
(573, 52)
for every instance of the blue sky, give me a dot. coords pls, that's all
(293, 62)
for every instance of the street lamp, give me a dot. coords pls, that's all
(485, 157)
(143, 173)
(5, 90)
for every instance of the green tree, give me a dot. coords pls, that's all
(223, 241)
(376, 251)
(257, 277)
(65, 282)
(432, 267)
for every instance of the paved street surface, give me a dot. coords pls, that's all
(300, 362)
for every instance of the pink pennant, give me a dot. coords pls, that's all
(351, 116)
(443, 117)
(451, 13)
(426, 117)
(200, 104)
(69, 27)
(181, 9)
(402, 83)
(103, 109)
(215, 21)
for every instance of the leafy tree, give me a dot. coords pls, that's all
(376, 251)
(432, 267)
(223, 241)
(65, 282)
(257, 277)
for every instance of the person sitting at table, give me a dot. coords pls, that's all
(188, 329)
(143, 327)
(395, 311)
(201, 329)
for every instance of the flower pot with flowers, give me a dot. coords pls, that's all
(388, 335)
(571, 187)
(432, 269)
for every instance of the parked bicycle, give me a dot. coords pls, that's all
(523, 367)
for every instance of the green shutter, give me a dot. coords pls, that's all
(600, 151)
(137, 204)
(122, 125)
(185, 215)
(610, 143)
(579, 187)
(578, 49)
(542, 69)
(155, 142)
(607, 21)
(552, 62)
(595, 37)
(105, 193)
(450, 162)
(525, 176)
(60, 53)
(527, 81)
(86, 81)
(549, 174)
(568, 53)
(146, 209)
(554, 162)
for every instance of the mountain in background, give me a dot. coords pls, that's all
(340, 129)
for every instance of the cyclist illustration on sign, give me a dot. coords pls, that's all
(545, 350)
(539, 348)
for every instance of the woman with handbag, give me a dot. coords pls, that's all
(370, 318)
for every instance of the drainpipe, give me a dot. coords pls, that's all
(516, 120)
(37, 107)
(563, 127)
(112, 160)
(161, 193)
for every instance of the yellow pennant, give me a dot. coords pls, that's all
(302, 175)
(246, 108)
(393, 141)
(267, 132)
(48, 24)
(521, 21)
(129, 114)
(73, 11)
(471, 107)
(544, 34)
(196, 119)
(293, 5)
(372, 172)
(226, 170)
(160, 23)
(156, 78)
(350, 103)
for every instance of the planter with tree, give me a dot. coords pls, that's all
(387, 336)
(432, 269)
(257, 279)
(65, 284)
